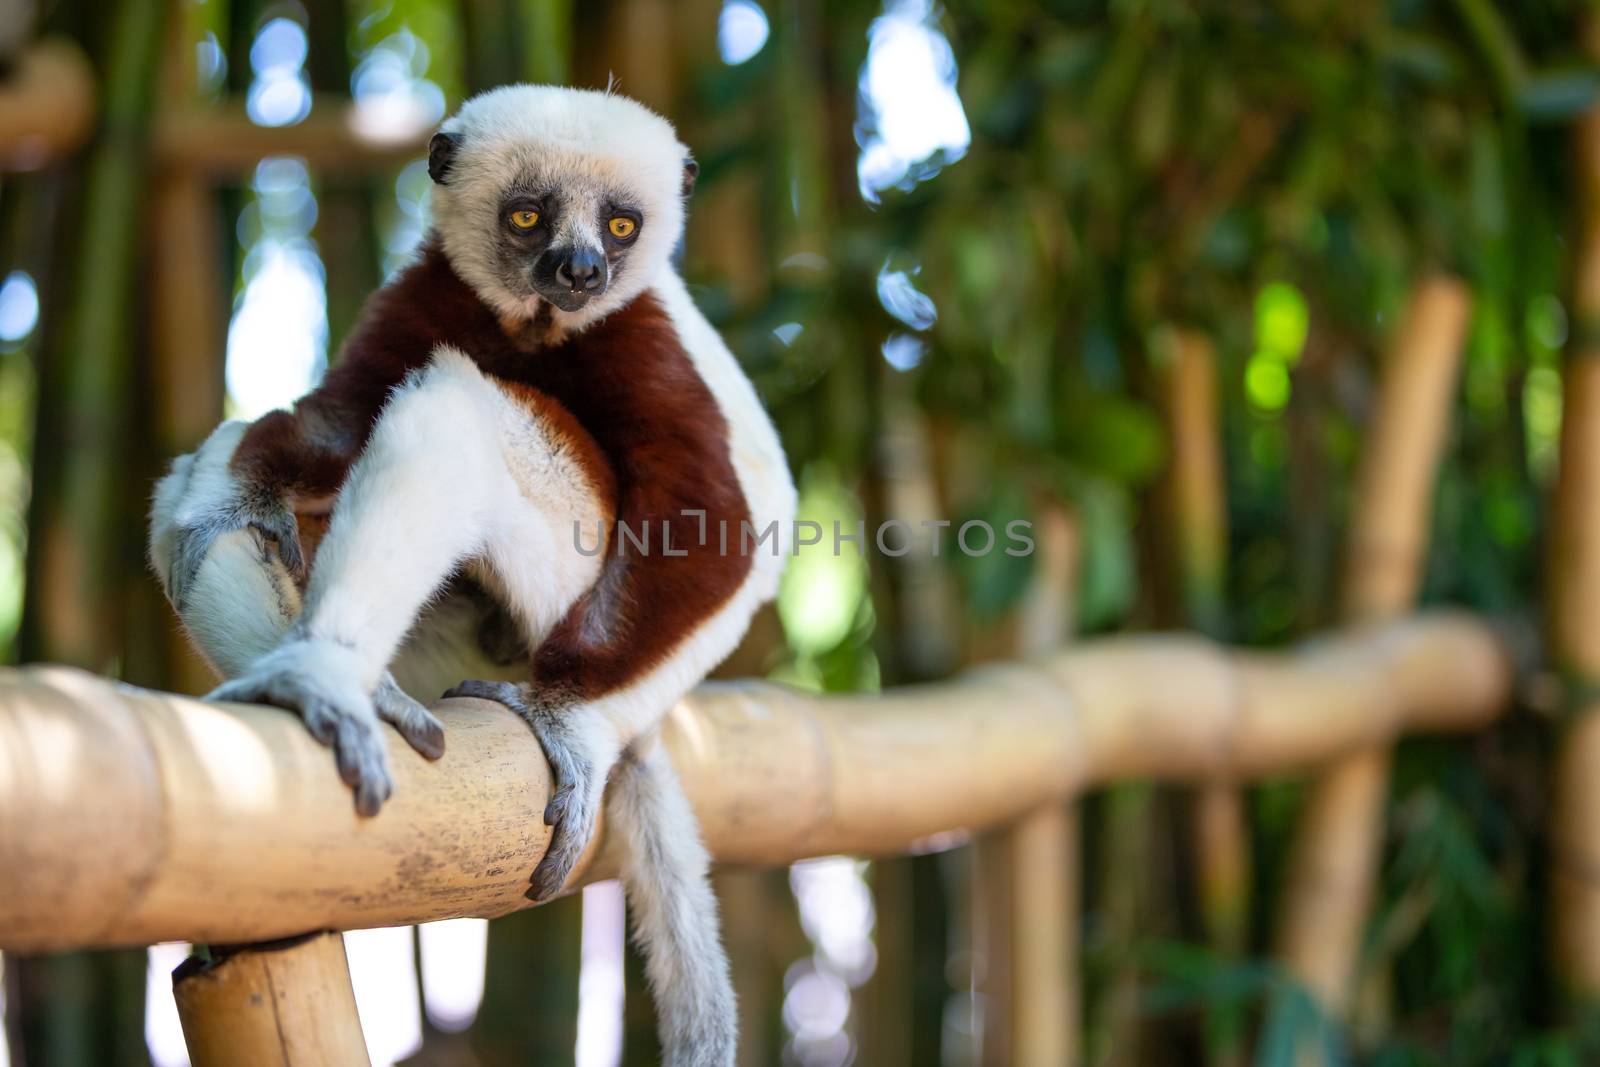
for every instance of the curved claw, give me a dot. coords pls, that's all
(421, 729)
(506, 693)
(191, 545)
(552, 873)
(363, 763)
(284, 532)
(318, 682)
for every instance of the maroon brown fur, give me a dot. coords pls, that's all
(655, 441)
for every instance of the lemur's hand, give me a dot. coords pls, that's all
(580, 749)
(322, 682)
(200, 500)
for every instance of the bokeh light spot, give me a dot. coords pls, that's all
(741, 31)
(912, 121)
(19, 306)
(1266, 383)
(1282, 322)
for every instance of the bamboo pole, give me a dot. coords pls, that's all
(1199, 522)
(131, 817)
(1334, 862)
(47, 105)
(346, 226)
(282, 1004)
(1196, 480)
(1027, 872)
(1574, 591)
(77, 561)
(924, 970)
(187, 286)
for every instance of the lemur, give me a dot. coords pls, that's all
(536, 385)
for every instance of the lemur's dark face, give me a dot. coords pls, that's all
(565, 245)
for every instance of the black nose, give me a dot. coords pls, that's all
(583, 272)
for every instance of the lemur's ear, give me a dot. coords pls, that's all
(691, 171)
(441, 154)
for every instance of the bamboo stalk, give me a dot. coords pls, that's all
(187, 337)
(122, 810)
(1196, 480)
(511, 1026)
(1045, 989)
(1199, 523)
(273, 1005)
(1574, 592)
(1334, 862)
(74, 592)
(642, 54)
(47, 105)
(924, 968)
(1027, 872)
(346, 227)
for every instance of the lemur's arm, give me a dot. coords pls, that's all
(289, 459)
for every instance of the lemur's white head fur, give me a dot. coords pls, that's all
(569, 197)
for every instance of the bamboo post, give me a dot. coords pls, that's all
(1196, 482)
(47, 105)
(122, 810)
(511, 1026)
(189, 289)
(346, 229)
(281, 1004)
(1199, 523)
(76, 562)
(1573, 589)
(918, 900)
(1027, 873)
(1333, 865)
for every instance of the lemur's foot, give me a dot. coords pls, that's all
(198, 528)
(577, 767)
(414, 722)
(322, 682)
(204, 500)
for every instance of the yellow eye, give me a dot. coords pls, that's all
(526, 219)
(622, 227)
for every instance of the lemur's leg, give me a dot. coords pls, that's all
(665, 866)
(432, 491)
(239, 597)
(581, 746)
(582, 736)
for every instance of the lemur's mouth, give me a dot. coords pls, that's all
(566, 299)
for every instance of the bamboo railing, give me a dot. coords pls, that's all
(130, 817)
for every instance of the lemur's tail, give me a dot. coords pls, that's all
(666, 878)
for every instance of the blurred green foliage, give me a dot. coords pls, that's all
(1275, 175)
